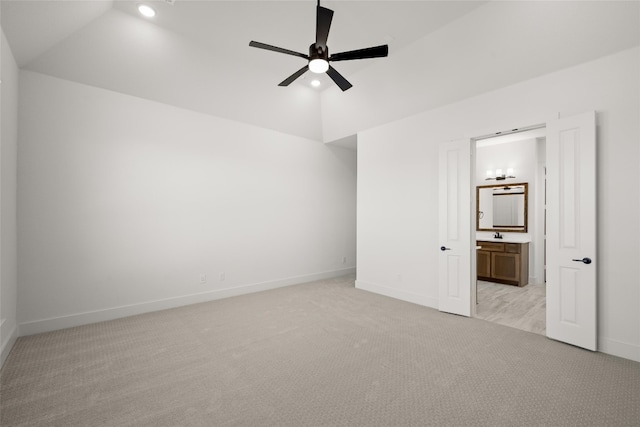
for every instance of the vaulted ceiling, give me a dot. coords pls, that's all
(195, 54)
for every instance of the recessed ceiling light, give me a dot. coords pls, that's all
(315, 83)
(147, 11)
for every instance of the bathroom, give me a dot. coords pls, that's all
(510, 172)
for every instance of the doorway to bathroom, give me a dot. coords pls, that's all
(568, 223)
(510, 229)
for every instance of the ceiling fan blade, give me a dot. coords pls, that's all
(369, 52)
(338, 79)
(323, 24)
(292, 77)
(277, 49)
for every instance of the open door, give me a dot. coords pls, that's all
(571, 230)
(454, 264)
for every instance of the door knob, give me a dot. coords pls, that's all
(442, 248)
(584, 260)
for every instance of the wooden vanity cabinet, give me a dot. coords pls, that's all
(506, 263)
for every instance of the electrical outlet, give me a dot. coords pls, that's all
(222, 276)
(203, 278)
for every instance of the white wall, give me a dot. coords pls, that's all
(519, 155)
(124, 202)
(8, 164)
(398, 185)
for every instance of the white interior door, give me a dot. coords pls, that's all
(571, 230)
(454, 265)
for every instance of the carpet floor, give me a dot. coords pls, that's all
(315, 354)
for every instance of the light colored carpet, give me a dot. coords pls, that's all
(317, 354)
(523, 308)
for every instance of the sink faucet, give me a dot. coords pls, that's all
(498, 235)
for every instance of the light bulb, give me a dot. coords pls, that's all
(318, 66)
(315, 83)
(147, 11)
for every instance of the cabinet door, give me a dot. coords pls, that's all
(505, 266)
(484, 264)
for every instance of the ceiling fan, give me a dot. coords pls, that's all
(319, 57)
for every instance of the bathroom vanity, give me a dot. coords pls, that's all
(503, 262)
(503, 208)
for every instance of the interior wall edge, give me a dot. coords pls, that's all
(619, 349)
(313, 138)
(79, 319)
(8, 198)
(7, 345)
(397, 294)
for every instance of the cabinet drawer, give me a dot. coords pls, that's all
(491, 246)
(512, 248)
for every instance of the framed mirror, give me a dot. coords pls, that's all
(502, 207)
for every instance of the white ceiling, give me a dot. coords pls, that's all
(33, 27)
(228, 26)
(223, 29)
(195, 54)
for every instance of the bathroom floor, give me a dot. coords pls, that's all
(522, 308)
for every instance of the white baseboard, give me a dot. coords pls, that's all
(78, 319)
(397, 294)
(605, 345)
(620, 349)
(7, 345)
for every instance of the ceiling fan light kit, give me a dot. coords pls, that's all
(319, 58)
(318, 66)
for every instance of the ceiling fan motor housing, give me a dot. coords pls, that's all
(317, 52)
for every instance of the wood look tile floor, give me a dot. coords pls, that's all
(522, 308)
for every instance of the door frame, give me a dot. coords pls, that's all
(473, 141)
(578, 302)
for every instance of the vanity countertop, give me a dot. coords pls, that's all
(505, 239)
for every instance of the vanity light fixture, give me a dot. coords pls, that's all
(499, 175)
(146, 10)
